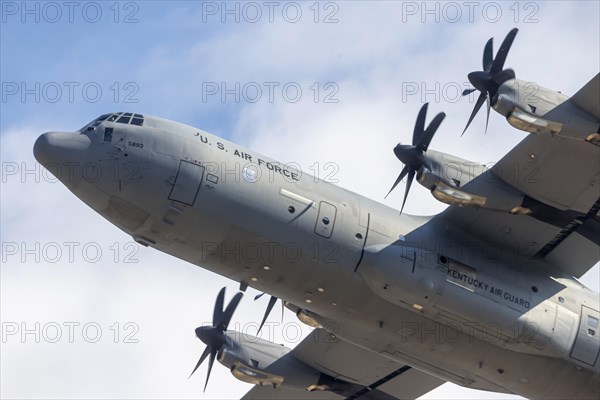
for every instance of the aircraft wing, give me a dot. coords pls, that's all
(371, 375)
(558, 180)
(588, 98)
(279, 393)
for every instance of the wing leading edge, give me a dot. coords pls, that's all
(588, 99)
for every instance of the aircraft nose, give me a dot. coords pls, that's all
(61, 152)
(61, 147)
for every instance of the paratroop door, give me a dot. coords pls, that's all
(187, 183)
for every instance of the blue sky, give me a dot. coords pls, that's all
(162, 58)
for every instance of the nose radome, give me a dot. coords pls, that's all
(64, 154)
(61, 147)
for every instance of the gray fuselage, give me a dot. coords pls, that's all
(456, 307)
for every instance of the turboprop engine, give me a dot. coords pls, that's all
(261, 362)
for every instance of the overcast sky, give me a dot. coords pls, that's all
(332, 86)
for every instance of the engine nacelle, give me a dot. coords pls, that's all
(232, 354)
(446, 192)
(255, 376)
(532, 124)
(261, 362)
(535, 109)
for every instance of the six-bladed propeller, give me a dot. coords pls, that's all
(493, 75)
(413, 157)
(214, 336)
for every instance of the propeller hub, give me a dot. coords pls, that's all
(480, 80)
(210, 336)
(409, 155)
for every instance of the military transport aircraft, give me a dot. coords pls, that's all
(483, 294)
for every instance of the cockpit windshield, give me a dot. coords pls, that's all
(122, 118)
(119, 117)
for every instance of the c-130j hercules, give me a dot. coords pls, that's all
(483, 294)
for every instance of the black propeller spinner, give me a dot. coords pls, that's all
(213, 336)
(413, 157)
(489, 80)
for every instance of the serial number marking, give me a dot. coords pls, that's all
(136, 144)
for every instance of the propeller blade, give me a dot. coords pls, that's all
(400, 177)
(228, 313)
(258, 296)
(218, 310)
(487, 119)
(488, 56)
(411, 176)
(468, 91)
(211, 360)
(478, 105)
(423, 143)
(202, 358)
(270, 306)
(498, 63)
(420, 124)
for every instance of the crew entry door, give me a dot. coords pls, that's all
(187, 183)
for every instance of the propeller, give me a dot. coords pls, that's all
(493, 75)
(214, 336)
(413, 157)
(270, 306)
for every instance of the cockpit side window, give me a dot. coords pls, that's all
(108, 134)
(100, 119)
